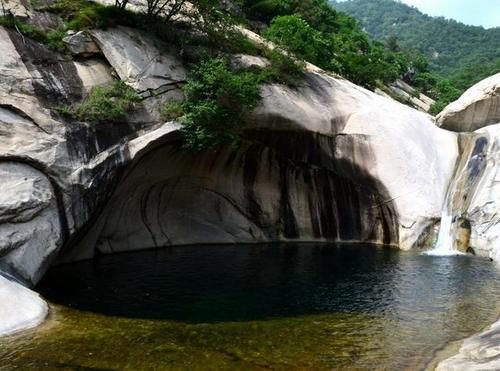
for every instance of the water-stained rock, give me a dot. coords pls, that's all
(254, 194)
(483, 210)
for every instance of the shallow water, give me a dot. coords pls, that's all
(343, 307)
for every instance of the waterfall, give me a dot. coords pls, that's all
(445, 244)
(470, 166)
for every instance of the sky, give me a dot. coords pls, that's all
(484, 13)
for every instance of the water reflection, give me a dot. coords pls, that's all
(253, 307)
(235, 283)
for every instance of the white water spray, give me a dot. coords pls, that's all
(461, 188)
(445, 245)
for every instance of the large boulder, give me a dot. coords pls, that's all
(476, 108)
(81, 44)
(397, 145)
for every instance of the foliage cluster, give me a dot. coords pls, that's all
(449, 45)
(314, 31)
(217, 99)
(109, 103)
(459, 55)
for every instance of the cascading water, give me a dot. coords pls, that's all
(445, 244)
(460, 191)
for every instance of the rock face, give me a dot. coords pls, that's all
(477, 107)
(405, 92)
(326, 164)
(30, 226)
(137, 60)
(369, 130)
(20, 308)
(483, 209)
(328, 161)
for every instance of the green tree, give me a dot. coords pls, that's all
(217, 99)
(298, 37)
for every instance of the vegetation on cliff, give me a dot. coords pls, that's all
(205, 36)
(315, 31)
(109, 103)
(450, 46)
(216, 101)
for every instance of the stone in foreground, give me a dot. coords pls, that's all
(478, 353)
(20, 308)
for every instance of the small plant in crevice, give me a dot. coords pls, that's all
(172, 111)
(109, 103)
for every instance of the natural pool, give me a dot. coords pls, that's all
(342, 307)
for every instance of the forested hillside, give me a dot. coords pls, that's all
(465, 54)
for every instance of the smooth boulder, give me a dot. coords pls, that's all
(480, 352)
(476, 108)
(20, 308)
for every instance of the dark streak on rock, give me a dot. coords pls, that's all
(250, 169)
(288, 221)
(60, 83)
(145, 207)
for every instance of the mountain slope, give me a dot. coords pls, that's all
(450, 46)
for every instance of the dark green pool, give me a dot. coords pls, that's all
(346, 307)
